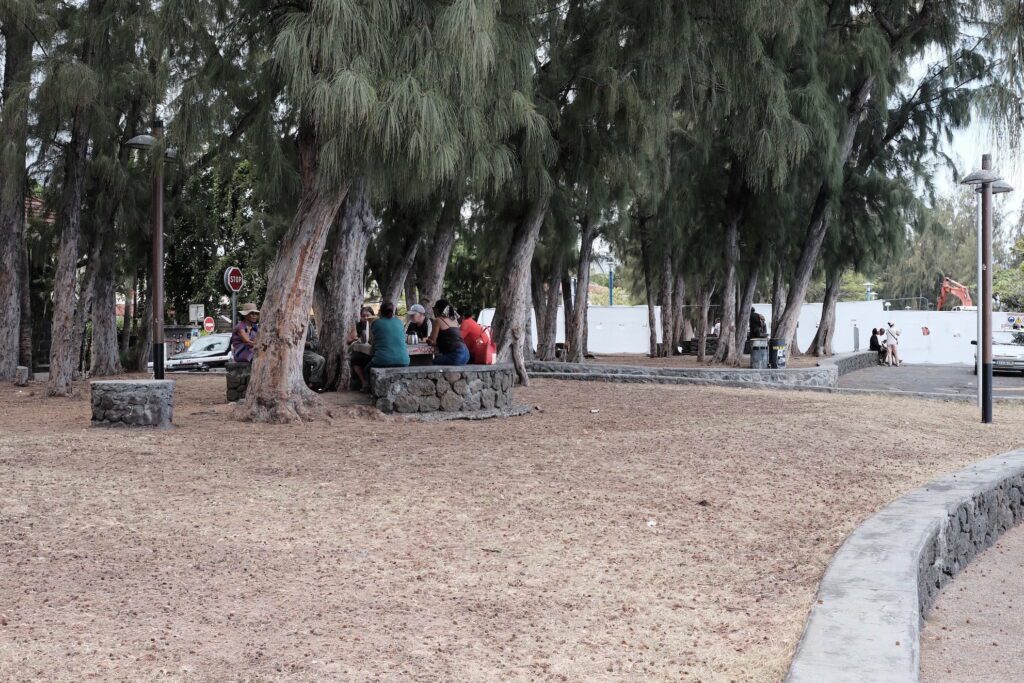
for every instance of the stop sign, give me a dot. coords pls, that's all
(233, 279)
(209, 324)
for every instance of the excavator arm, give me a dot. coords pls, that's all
(954, 288)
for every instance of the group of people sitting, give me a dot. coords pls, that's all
(886, 342)
(379, 341)
(383, 342)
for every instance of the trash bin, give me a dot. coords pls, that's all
(758, 354)
(777, 353)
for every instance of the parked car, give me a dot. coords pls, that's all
(212, 351)
(1007, 351)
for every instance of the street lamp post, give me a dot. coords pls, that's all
(148, 142)
(987, 182)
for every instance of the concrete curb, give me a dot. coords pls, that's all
(866, 621)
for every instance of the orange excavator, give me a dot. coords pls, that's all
(958, 290)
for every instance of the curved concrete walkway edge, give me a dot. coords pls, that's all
(866, 621)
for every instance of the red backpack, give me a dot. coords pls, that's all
(478, 340)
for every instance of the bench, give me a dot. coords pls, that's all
(462, 391)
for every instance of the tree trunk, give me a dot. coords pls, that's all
(83, 307)
(546, 300)
(743, 314)
(144, 331)
(528, 351)
(431, 282)
(63, 351)
(13, 134)
(704, 294)
(277, 391)
(817, 226)
(778, 296)
(648, 269)
(25, 334)
(396, 283)
(668, 326)
(821, 345)
(513, 297)
(344, 295)
(128, 319)
(726, 351)
(105, 359)
(576, 350)
(410, 289)
(568, 311)
(678, 313)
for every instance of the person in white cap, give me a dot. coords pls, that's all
(243, 337)
(892, 342)
(419, 323)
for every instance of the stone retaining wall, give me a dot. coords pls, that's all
(431, 389)
(824, 376)
(237, 380)
(865, 624)
(851, 362)
(818, 377)
(132, 403)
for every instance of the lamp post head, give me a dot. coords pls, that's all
(141, 142)
(1001, 187)
(981, 177)
(146, 142)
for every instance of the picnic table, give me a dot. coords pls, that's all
(420, 354)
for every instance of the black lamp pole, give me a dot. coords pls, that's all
(986, 294)
(157, 264)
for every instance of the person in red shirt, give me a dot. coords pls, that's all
(470, 328)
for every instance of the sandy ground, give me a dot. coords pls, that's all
(621, 532)
(976, 629)
(689, 361)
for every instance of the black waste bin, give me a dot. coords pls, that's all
(777, 353)
(758, 354)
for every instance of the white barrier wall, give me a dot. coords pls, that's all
(613, 329)
(927, 336)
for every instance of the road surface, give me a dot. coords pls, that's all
(951, 380)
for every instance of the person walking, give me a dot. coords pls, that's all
(892, 344)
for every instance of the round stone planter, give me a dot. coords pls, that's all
(132, 403)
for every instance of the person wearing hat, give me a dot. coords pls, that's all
(243, 337)
(419, 323)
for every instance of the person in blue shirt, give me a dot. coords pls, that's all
(387, 336)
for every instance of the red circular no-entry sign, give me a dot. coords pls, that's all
(209, 324)
(233, 279)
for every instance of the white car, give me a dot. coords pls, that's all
(1007, 351)
(205, 353)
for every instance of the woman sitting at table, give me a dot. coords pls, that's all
(361, 334)
(387, 335)
(446, 336)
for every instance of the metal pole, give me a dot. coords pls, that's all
(977, 356)
(611, 286)
(234, 310)
(986, 294)
(157, 238)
